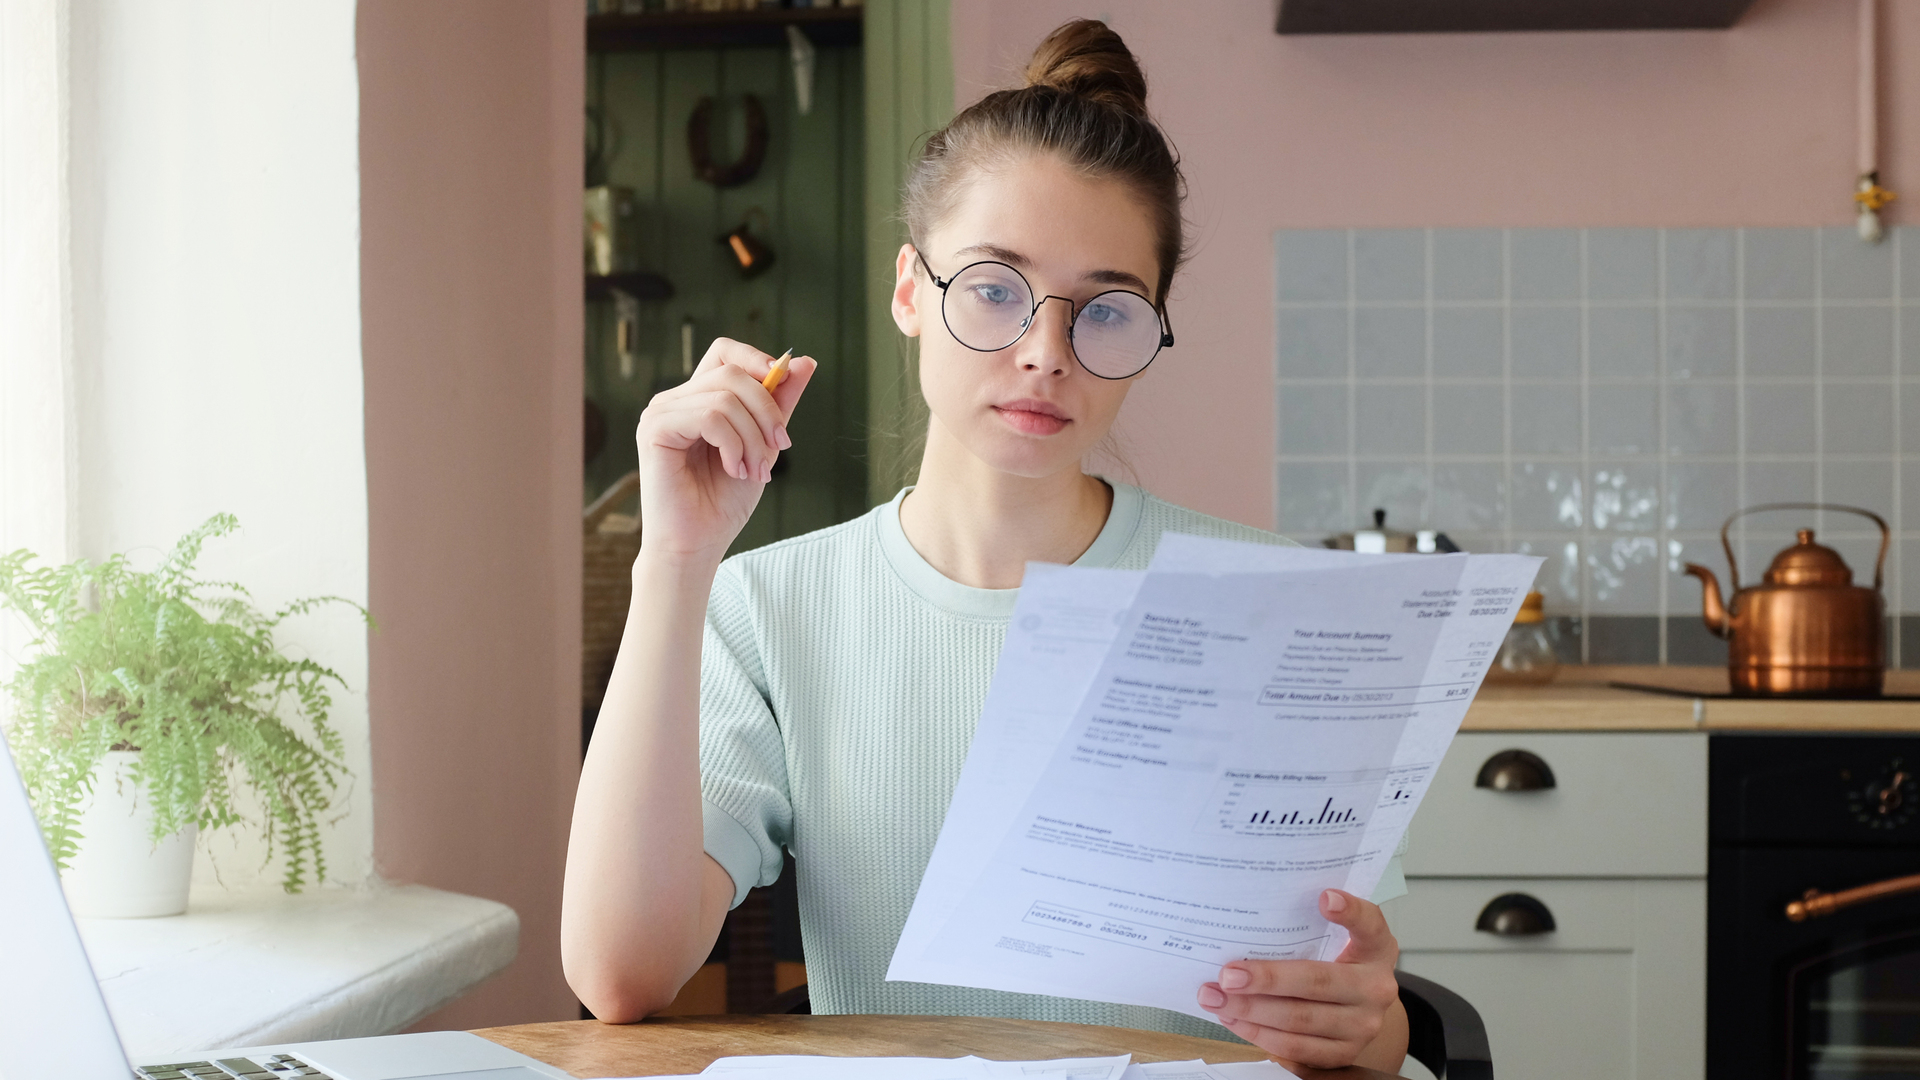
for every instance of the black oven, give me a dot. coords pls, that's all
(1813, 907)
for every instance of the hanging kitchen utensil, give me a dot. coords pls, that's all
(751, 255)
(700, 145)
(1380, 540)
(1807, 630)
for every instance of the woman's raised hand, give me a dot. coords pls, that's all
(1324, 1014)
(707, 447)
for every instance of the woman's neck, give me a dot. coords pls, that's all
(980, 526)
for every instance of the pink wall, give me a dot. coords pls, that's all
(470, 129)
(1748, 126)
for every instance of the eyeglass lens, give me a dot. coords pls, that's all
(988, 307)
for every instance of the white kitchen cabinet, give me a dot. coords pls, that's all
(1616, 991)
(1623, 804)
(1616, 851)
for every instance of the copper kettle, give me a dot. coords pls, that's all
(1807, 630)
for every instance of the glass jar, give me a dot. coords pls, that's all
(1526, 657)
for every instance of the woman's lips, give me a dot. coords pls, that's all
(1032, 417)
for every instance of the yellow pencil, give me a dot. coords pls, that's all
(778, 373)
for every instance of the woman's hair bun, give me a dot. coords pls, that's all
(1087, 59)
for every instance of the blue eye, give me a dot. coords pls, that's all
(1104, 315)
(992, 293)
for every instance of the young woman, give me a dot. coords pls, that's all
(819, 694)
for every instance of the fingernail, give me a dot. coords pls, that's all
(780, 436)
(1211, 997)
(1335, 900)
(1234, 978)
(766, 472)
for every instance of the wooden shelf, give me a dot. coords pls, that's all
(639, 284)
(721, 29)
(1476, 16)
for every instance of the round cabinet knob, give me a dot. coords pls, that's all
(1515, 914)
(1514, 770)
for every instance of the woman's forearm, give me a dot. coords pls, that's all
(639, 914)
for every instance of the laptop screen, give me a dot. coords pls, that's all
(53, 1021)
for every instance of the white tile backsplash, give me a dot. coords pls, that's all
(1603, 397)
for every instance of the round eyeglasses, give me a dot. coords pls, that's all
(988, 306)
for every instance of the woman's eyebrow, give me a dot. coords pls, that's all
(1021, 262)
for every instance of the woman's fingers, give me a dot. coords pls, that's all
(734, 365)
(1310, 1050)
(719, 418)
(1370, 942)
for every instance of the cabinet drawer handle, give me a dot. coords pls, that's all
(1514, 770)
(1515, 914)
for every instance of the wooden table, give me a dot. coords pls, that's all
(664, 1046)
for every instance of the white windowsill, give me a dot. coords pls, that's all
(254, 969)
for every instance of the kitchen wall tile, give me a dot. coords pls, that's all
(1623, 418)
(1545, 418)
(1907, 478)
(1561, 577)
(1851, 270)
(1311, 342)
(1468, 418)
(1779, 264)
(1623, 576)
(1623, 342)
(1858, 552)
(1546, 263)
(1866, 484)
(1779, 481)
(1389, 419)
(1313, 419)
(1909, 595)
(1700, 342)
(1624, 497)
(1856, 341)
(1906, 329)
(1780, 341)
(1310, 265)
(1701, 264)
(1688, 639)
(1467, 265)
(1780, 418)
(1546, 497)
(1399, 488)
(1390, 342)
(1389, 264)
(1703, 418)
(1546, 342)
(1858, 418)
(1905, 240)
(1314, 498)
(1623, 264)
(1469, 498)
(1468, 343)
(1600, 396)
(1701, 495)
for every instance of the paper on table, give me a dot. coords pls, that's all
(816, 1067)
(1143, 852)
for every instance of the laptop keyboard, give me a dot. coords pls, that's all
(277, 1067)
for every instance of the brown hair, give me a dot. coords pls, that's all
(1085, 100)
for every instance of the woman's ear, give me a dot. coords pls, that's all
(906, 292)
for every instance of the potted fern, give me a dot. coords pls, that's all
(153, 705)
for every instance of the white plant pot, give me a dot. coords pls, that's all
(119, 873)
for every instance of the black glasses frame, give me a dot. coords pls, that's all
(1073, 314)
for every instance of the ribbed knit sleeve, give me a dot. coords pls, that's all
(747, 810)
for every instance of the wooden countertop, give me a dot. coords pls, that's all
(1581, 699)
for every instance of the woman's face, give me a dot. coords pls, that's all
(1029, 409)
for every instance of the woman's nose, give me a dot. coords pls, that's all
(1047, 345)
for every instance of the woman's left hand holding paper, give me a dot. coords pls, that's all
(1325, 1014)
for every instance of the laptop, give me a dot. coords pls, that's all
(54, 1021)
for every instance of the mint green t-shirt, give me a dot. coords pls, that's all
(841, 677)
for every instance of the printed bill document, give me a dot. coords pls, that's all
(1173, 764)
